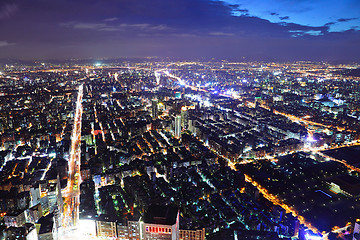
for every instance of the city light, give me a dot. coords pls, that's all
(310, 139)
(201, 139)
(311, 236)
(279, 202)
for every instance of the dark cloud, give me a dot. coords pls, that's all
(330, 23)
(242, 10)
(346, 19)
(234, 6)
(284, 18)
(274, 14)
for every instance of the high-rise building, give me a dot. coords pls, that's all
(154, 109)
(184, 117)
(178, 126)
(160, 222)
(192, 234)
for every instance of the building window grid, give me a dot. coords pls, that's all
(157, 229)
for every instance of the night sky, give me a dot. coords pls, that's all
(232, 29)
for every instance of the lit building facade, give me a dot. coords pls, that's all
(178, 126)
(157, 224)
(154, 109)
(160, 231)
(192, 234)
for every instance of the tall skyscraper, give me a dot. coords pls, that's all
(154, 109)
(178, 126)
(184, 117)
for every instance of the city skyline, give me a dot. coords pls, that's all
(233, 150)
(180, 119)
(232, 29)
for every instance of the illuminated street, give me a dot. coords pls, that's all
(72, 192)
